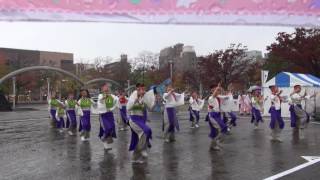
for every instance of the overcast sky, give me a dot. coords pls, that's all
(90, 40)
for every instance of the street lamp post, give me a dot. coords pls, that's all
(144, 64)
(128, 85)
(61, 84)
(48, 88)
(14, 92)
(171, 71)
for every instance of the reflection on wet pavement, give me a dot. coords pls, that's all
(31, 150)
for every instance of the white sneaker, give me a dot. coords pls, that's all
(255, 127)
(144, 153)
(70, 133)
(121, 129)
(138, 161)
(167, 140)
(275, 139)
(197, 126)
(107, 146)
(60, 130)
(82, 138)
(192, 127)
(215, 148)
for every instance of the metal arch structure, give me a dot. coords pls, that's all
(130, 88)
(34, 68)
(92, 81)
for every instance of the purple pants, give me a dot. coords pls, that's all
(139, 121)
(194, 115)
(173, 120)
(276, 117)
(123, 114)
(233, 119)
(71, 119)
(256, 116)
(107, 126)
(60, 123)
(53, 115)
(217, 117)
(293, 116)
(85, 124)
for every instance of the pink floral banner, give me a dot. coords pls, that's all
(248, 12)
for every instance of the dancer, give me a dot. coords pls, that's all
(216, 123)
(53, 103)
(170, 121)
(60, 115)
(141, 132)
(299, 117)
(85, 104)
(196, 104)
(227, 104)
(107, 102)
(257, 107)
(123, 121)
(70, 105)
(244, 104)
(276, 123)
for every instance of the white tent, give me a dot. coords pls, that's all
(285, 81)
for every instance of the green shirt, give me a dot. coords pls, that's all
(60, 111)
(54, 103)
(138, 107)
(85, 103)
(71, 103)
(109, 101)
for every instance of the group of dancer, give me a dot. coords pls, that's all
(133, 112)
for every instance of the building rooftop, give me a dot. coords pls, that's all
(1, 48)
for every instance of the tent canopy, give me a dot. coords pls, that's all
(286, 79)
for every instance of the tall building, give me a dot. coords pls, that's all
(184, 58)
(254, 55)
(119, 71)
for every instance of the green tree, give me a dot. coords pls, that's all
(295, 52)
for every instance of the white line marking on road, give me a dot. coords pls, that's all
(315, 123)
(311, 160)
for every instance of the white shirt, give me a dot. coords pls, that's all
(296, 98)
(171, 102)
(275, 101)
(102, 105)
(148, 99)
(196, 105)
(247, 99)
(226, 103)
(214, 103)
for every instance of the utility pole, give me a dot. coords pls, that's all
(14, 92)
(48, 88)
(171, 70)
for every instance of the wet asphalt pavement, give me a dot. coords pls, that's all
(31, 150)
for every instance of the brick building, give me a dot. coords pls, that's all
(19, 58)
(15, 59)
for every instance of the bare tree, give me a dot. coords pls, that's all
(146, 60)
(100, 62)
